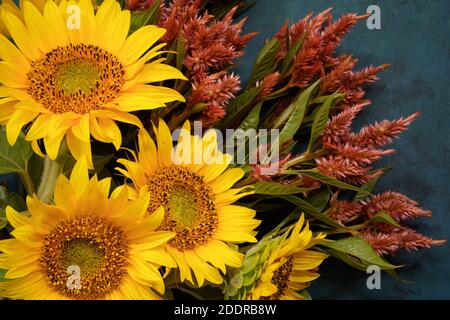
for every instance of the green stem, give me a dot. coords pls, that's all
(278, 93)
(27, 181)
(246, 182)
(302, 158)
(50, 174)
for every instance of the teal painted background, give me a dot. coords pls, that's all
(414, 39)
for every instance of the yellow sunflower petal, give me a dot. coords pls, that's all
(226, 180)
(164, 140)
(79, 149)
(20, 35)
(139, 42)
(10, 53)
(155, 72)
(18, 119)
(15, 218)
(10, 76)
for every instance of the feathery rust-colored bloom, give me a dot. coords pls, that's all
(383, 132)
(400, 238)
(211, 46)
(399, 206)
(344, 210)
(343, 169)
(321, 38)
(338, 127)
(361, 156)
(268, 83)
(215, 91)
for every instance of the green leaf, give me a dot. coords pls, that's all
(145, 17)
(297, 110)
(394, 275)
(3, 220)
(220, 9)
(239, 105)
(305, 295)
(265, 62)
(236, 281)
(384, 217)
(350, 260)
(14, 158)
(252, 120)
(310, 210)
(366, 190)
(250, 263)
(181, 51)
(100, 160)
(11, 199)
(316, 174)
(319, 199)
(273, 188)
(2, 274)
(361, 249)
(287, 62)
(321, 99)
(320, 121)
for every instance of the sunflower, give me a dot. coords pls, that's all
(111, 240)
(77, 81)
(197, 198)
(10, 6)
(289, 268)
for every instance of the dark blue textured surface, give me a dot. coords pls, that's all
(414, 39)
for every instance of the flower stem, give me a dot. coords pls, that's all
(50, 174)
(27, 181)
(304, 157)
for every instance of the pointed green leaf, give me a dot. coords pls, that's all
(287, 62)
(265, 62)
(2, 274)
(252, 120)
(273, 188)
(148, 16)
(181, 51)
(296, 110)
(384, 217)
(3, 220)
(366, 190)
(319, 199)
(310, 210)
(320, 119)
(240, 105)
(360, 249)
(14, 158)
(317, 175)
(250, 263)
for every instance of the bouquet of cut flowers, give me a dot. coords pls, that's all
(136, 165)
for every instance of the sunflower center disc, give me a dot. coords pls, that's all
(83, 253)
(281, 278)
(188, 203)
(76, 78)
(183, 207)
(98, 248)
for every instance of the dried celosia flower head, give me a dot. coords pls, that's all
(400, 238)
(399, 206)
(214, 90)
